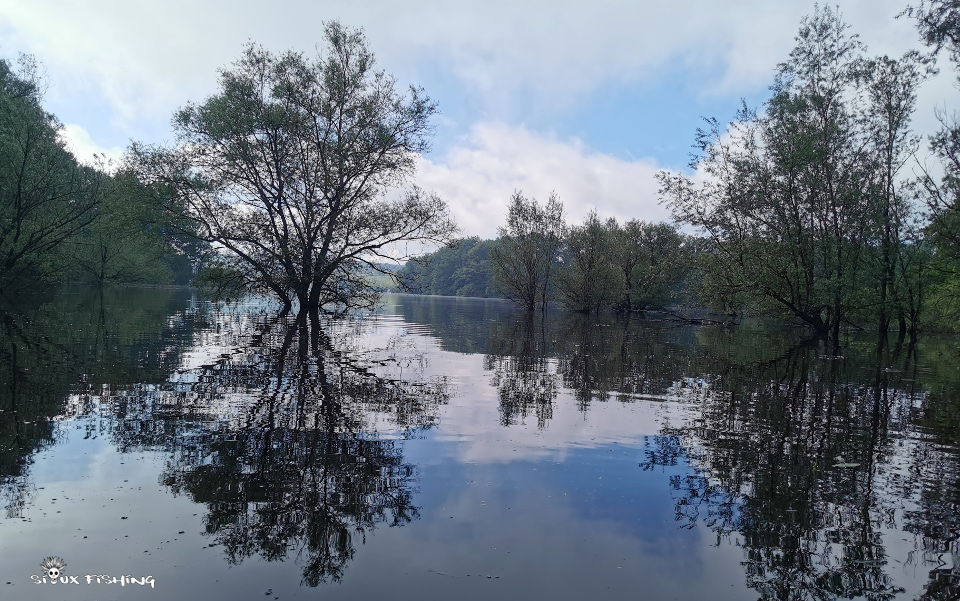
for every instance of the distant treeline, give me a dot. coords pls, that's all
(461, 268)
(538, 259)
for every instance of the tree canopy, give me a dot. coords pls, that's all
(802, 203)
(288, 171)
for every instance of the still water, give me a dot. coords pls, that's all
(447, 448)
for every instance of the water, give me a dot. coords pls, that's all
(452, 448)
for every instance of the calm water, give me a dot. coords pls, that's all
(453, 449)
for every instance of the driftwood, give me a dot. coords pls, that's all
(679, 316)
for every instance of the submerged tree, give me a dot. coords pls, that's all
(796, 199)
(524, 258)
(589, 279)
(285, 170)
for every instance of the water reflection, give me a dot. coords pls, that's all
(290, 440)
(823, 477)
(811, 462)
(82, 338)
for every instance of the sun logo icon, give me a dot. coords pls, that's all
(53, 566)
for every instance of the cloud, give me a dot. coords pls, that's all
(83, 147)
(478, 177)
(145, 59)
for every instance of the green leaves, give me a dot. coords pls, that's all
(285, 168)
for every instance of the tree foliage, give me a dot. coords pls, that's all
(46, 197)
(799, 200)
(938, 22)
(285, 171)
(524, 259)
(589, 279)
(462, 268)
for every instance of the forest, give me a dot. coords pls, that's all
(814, 208)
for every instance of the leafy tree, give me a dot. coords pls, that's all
(46, 197)
(652, 261)
(890, 90)
(938, 22)
(284, 169)
(526, 251)
(589, 279)
(795, 201)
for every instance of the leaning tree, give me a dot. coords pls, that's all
(295, 171)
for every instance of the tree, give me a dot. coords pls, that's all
(127, 241)
(46, 197)
(793, 199)
(938, 22)
(651, 261)
(523, 259)
(589, 279)
(286, 169)
(891, 87)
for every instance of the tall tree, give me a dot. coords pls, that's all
(589, 279)
(891, 87)
(790, 203)
(46, 197)
(285, 169)
(938, 22)
(524, 258)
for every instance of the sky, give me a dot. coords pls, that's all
(588, 100)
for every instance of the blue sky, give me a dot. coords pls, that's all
(587, 99)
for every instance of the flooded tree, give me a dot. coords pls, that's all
(589, 279)
(524, 258)
(798, 198)
(287, 167)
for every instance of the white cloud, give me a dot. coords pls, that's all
(145, 59)
(478, 177)
(85, 149)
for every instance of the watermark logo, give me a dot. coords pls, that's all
(53, 573)
(53, 566)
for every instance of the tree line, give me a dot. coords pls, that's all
(538, 259)
(61, 220)
(813, 208)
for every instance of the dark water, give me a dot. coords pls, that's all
(453, 449)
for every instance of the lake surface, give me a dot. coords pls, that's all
(448, 448)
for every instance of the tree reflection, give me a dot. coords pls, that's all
(526, 381)
(54, 343)
(290, 439)
(802, 459)
(596, 358)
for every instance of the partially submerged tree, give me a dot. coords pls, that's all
(285, 170)
(652, 261)
(589, 279)
(524, 258)
(797, 200)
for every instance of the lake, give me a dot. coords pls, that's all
(446, 448)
